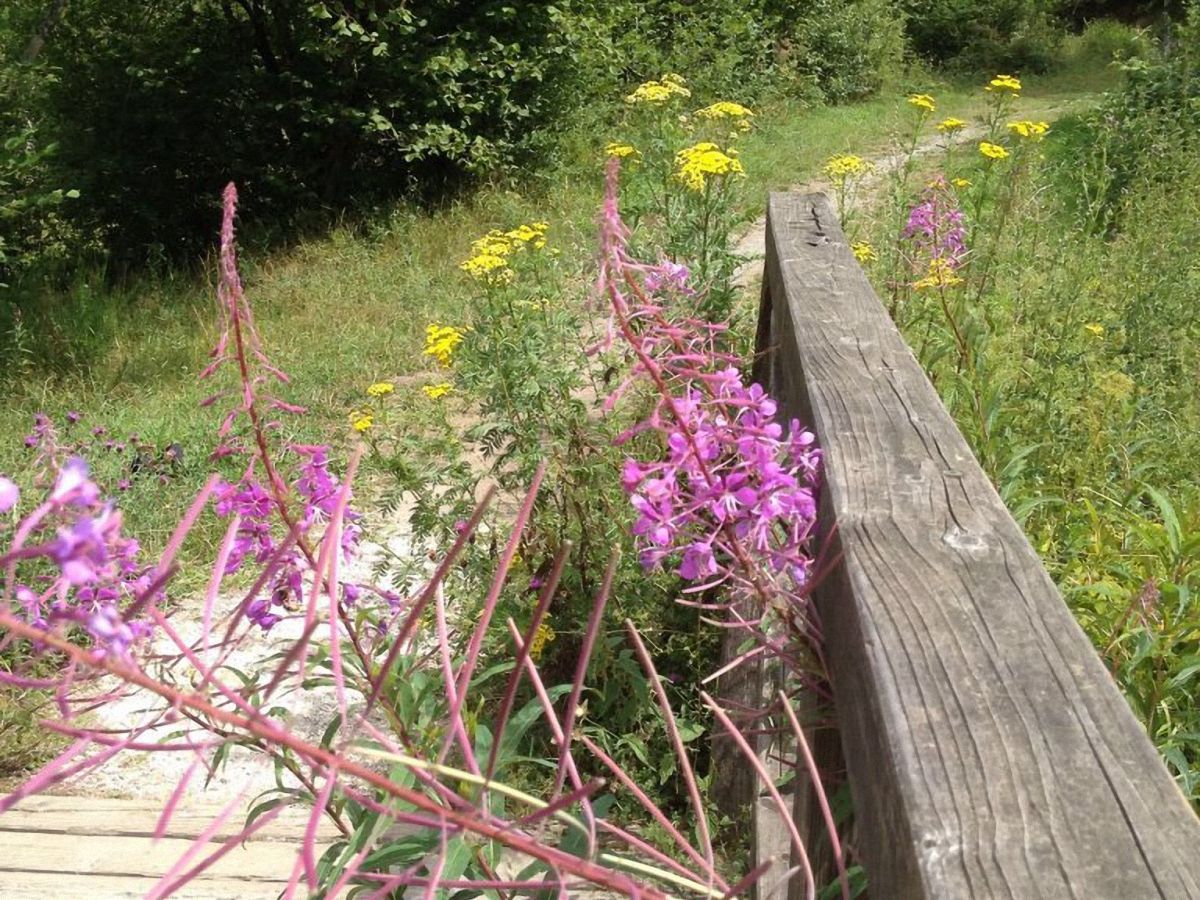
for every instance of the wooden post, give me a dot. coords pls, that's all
(990, 753)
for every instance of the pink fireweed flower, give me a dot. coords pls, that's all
(669, 276)
(10, 494)
(96, 574)
(732, 497)
(74, 486)
(935, 226)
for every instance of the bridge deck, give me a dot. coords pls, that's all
(95, 848)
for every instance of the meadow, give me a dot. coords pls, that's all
(567, 340)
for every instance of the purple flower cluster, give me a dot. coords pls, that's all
(75, 564)
(732, 498)
(729, 475)
(935, 225)
(256, 538)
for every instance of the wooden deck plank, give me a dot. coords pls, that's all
(85, 847)
(106, 816)
(989, 751)
(56, 886)
(75, 854)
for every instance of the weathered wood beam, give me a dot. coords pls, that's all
(990, 753)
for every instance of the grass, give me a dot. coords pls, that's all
(1078, 393)
(348, 309)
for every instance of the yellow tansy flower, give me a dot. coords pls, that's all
(846, 165)
(949, 125)
(941, 275)
(922, 102)
(1095, 328)
(437, 391)
(659, 91)
(863, 252)
(992, 151)
(380, 388)
(616, 148)
(440, 342)
(1002, 83)
(725, 110)
(362, 419)
(489, 260)
(960, 182)
(543, 636)
(695, 165)
(1028, 129)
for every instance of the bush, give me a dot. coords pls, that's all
(1007, 34)
(318, 107)
(311, 105)
(831, 50)
(1144, 133)
(1105, 41)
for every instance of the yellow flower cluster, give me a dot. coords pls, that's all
(490, 254)
(923, 102)
(724, 109)
(1028, 129)
(950, 125)
(864, 252)
(846, 165)
(362, 419)
(940, 275)
(381, 388)
(1095, 328)
(616, 148)
(543, 636)
(659, 91)
(992, 151)
(960, 182)
(695, 165)
(437, 391)
(440, 341)
(1002, 83)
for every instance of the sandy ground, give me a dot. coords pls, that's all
(154, 776)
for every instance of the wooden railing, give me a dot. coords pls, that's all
(988, 750)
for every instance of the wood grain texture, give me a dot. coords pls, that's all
(990, 753)
(68, 847)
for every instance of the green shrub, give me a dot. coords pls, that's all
(1146, 132)
(309, 105)
(1006, 34)
(1105, 41)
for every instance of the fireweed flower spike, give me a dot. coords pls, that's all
(732, 499)
(305, 501)
(936, 226)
